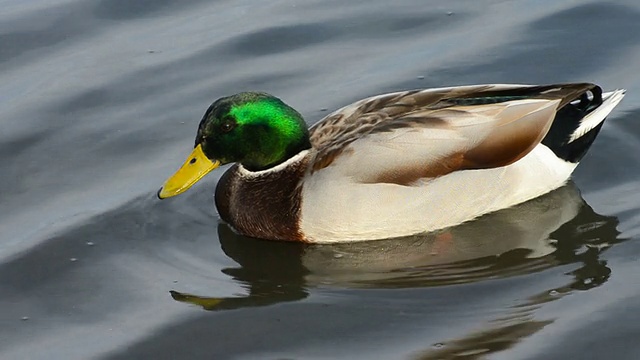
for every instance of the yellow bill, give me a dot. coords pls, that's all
(207, 303)
(194, 169)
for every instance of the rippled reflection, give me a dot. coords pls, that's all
(558, 228)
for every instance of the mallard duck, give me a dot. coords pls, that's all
(390, 165)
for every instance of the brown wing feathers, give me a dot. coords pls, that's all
(507, 142)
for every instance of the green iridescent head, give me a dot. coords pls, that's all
(254, 129)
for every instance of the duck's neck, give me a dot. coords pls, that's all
(293, 161)
(291, 149)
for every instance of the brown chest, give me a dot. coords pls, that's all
(264, 206)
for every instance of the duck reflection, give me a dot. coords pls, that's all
(558, 228)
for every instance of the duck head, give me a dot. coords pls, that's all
(255, 129)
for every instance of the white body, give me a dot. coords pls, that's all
(337, 207)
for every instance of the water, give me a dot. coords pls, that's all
(99, 102)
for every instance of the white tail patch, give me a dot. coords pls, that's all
(610, 100)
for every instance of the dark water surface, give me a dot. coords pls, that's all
(99, 103)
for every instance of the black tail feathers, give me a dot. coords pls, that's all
(568, 120)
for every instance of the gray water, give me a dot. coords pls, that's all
(99, 103)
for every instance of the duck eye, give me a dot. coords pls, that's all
(227, 125)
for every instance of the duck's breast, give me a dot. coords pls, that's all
(264, 204)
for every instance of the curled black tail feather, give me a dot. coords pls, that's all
(568, 120)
